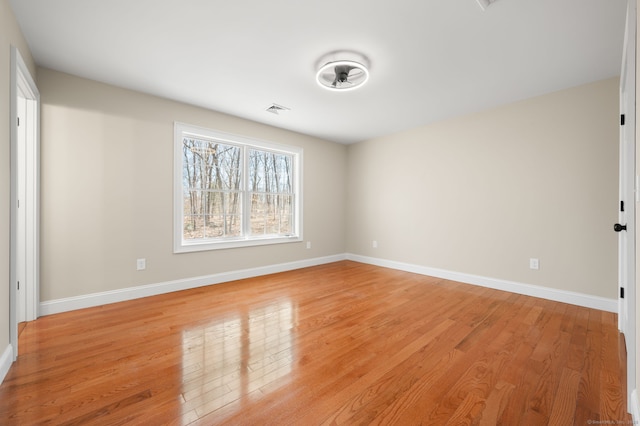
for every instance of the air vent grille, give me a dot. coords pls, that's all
(275, 109)
(484, 4)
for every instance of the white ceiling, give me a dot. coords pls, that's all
(430, 59)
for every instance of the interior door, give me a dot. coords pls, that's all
(24, 241)
(21, 234)
(628, 198)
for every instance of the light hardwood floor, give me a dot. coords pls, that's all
(344, 343)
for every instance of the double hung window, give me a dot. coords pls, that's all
(233, 191)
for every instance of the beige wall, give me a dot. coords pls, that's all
(636, 402)
(10, 34)
(107, 167)
(482, 194)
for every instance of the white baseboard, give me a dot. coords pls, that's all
(634, 407)
(96, 299)
(580, 299)
(6, 359)
(103, 298)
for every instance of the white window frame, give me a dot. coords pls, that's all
(180, 245)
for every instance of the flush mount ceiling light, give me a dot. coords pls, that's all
(342, 71)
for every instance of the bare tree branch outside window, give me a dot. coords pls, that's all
(215, 191)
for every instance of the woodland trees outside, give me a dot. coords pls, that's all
(222, 181)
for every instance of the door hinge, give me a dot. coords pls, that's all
(18, 119)
(18, 285)
(622, 119)
(621, 206)
(621, 292)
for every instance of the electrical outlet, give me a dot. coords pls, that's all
(308, 244)
(374, 244)
(141, 264)
(534, 263)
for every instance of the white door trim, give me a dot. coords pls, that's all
(629, 195)
(23, 85)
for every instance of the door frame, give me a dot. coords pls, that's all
(630, 197)
(23, 86)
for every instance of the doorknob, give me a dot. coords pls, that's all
(617, 227)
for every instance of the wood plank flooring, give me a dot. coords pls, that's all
(344, 343)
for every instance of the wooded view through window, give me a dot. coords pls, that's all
(235, 191)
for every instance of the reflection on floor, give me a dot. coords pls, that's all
(257, 343)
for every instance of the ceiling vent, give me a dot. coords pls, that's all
(275, 109)
(484, 4)
(342, 71)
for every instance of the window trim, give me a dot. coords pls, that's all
(180, 245)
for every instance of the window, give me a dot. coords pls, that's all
(232, 191)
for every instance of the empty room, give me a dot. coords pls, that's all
(309, 213)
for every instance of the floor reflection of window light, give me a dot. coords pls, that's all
(232, 357)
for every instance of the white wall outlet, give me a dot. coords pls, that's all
(374, 244)
(141, 264)
(308, 244)
(534, 263)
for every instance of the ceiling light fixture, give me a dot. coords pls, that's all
(342, 71)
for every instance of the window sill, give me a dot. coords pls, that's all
(188, 247)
